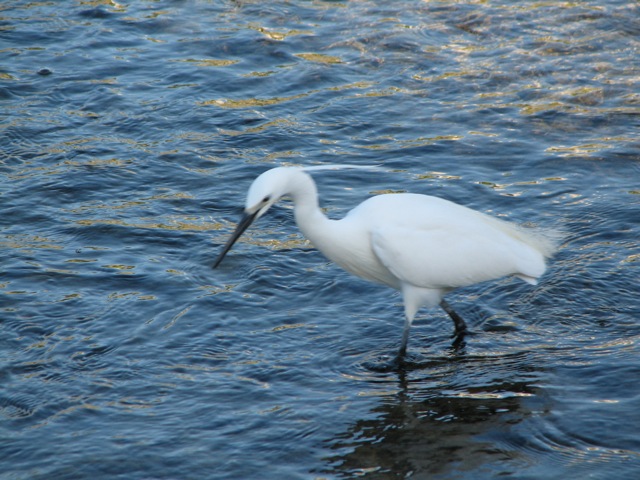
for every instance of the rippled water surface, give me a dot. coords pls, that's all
(130, 133)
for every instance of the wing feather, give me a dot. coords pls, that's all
(446, 257)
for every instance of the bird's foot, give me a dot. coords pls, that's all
(386, 365)
(459, 336)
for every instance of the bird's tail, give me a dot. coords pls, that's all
(545, 240)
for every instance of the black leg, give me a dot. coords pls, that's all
(458, 321)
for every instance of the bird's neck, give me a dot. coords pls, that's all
(309, 218)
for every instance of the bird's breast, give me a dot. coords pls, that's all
(349, 246)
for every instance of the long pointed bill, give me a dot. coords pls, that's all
(245, 221)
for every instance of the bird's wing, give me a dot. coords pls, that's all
(445, 257)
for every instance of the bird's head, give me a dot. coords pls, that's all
(265, 190)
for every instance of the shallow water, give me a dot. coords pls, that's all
(130, 134)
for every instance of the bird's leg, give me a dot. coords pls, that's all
(458, 321)
(405, 340)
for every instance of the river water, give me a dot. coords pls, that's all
(130, 132)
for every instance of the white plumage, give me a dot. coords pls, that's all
(421, 245)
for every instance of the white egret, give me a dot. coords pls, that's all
(422, 246)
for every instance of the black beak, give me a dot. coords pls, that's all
(245, 221)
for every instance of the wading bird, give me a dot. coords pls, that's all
(422, 246)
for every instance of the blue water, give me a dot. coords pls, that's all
(129, 135)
